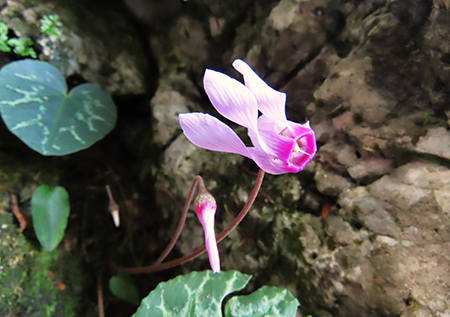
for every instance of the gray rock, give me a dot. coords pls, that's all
(183, 47)
(387, 240)
(370, 92)
(339, 155)
(166, 104)
(300, 89)
(329, 183)
(290, 34)
(436, 41)
(347, 85)
(372, 167)
(436, 142)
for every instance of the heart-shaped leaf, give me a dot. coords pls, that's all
(198, 294)
(50, 211)
(265, 302)
(36, 107)
(124, 288)
(202, 293)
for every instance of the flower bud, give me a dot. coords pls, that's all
(205, 208)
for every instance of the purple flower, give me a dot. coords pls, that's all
(205, 208)
(280, 146)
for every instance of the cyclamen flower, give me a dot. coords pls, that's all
(205, 208)
(279, 145)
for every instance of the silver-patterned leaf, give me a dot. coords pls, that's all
(198, 294)
(36, 107)
(265, 302)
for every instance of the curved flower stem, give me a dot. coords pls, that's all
(197, 179)
(163, 266)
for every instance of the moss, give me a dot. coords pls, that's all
(30, 277)
(319, 103)
(428, 119)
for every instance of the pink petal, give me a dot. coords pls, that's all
(306, 140)
(256, 139)
(277, 145)
(304, 133)
(269, 138)
(231, 98)
(272, 165)
(267, 123)
(295, 129)
(210, 133)
(301, 160)
(270, 102)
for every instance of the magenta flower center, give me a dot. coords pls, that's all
(301, 146)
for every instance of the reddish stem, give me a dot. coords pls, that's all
(182, 221)
(101, 307)
(198, 251)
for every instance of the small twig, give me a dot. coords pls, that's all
(182, 221)
(163, 266)
(19, 215)
(83, 234)
(101, 308)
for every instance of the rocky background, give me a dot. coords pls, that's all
(362, 231)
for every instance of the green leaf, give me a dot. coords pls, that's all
(22, 47)
(50, 211)
(4, 38)
(196, 294)
(265, 302)
(4, 47)
(36, 107)
(51, 25)
(122, 286)
(3, 30)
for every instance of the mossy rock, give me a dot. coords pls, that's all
(35, 282)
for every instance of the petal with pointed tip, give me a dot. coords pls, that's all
(231, 98)
(210, 133)
(270, 102)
